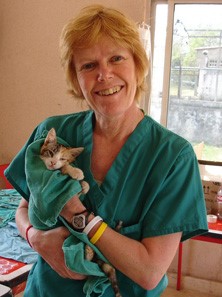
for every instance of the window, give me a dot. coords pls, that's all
(187, 73)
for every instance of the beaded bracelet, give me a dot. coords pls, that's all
(26, 234)
(99, 233)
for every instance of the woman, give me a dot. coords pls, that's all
(139, 172)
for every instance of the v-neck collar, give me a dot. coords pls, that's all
(112, 176)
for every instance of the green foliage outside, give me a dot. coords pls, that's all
(188, 58)
(212, 153)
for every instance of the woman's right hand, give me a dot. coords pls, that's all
(49, 245)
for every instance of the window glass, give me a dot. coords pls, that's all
(195, 93)
(194, 108)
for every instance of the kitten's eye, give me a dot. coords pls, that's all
(62, 159)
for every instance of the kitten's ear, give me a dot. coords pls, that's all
(76, 151)
(51, 136)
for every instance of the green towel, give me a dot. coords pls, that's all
(49, 192)
(74, 248)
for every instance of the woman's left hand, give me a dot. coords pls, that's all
(72, 207)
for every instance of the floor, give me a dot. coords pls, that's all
(170, 292)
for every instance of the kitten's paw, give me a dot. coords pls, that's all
(76, 173)
(85, 187)
(80, 175)
(89, 253)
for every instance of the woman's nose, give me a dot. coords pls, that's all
(105, 73)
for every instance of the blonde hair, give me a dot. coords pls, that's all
(94, 22)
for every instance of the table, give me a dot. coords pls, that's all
(214, 235)
(5, 291)
(13, 274)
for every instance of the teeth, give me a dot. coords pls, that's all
(110, 91)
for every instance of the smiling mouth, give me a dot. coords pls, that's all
(110, 91)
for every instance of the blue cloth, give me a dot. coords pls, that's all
(13, 246)
(9, 201)
(153, 186)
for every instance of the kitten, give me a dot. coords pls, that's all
(57, 156)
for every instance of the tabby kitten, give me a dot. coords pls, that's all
(57, 156)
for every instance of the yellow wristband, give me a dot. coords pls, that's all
(98, 233)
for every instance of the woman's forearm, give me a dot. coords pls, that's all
(144, 262)
(22, 219)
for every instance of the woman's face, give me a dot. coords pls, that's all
(107, 77)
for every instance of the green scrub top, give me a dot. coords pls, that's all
(153, 187)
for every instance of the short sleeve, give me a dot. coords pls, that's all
(15, 173)
(179, 205)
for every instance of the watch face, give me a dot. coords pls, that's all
(79, 222)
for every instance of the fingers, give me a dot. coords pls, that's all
(75, 276)
(64, 272)
(49, 245)
(64, 232)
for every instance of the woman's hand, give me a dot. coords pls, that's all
(49, 245)
(72, 207)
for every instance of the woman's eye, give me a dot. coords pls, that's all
(88, 66)
(116, 58)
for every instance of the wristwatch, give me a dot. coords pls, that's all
(80, 220)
